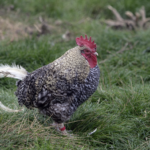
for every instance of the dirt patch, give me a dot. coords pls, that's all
(12, 30)
(16, 25)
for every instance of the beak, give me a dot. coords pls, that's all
(96, 53)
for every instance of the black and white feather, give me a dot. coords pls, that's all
(59, 102)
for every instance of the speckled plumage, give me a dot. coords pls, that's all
(58, 88)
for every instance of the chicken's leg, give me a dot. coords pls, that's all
(60, 127)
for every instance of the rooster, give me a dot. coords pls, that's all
(59, 88)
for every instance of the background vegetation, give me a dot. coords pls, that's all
(119, 109)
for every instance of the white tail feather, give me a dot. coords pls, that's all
(13, 71)
(8, 109)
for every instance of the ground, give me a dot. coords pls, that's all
(34, 33)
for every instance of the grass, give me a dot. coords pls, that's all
(119, 109)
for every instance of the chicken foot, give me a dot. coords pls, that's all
(60, 127)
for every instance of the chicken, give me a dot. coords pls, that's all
(60, 87)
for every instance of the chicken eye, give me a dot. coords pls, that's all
(86, 51)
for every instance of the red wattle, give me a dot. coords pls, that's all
(92, 59)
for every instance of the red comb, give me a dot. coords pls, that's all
(85, 42)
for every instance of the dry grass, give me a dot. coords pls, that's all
(11, 30)
(27, 131)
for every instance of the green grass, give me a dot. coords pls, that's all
(74, 9)
(119, 109)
